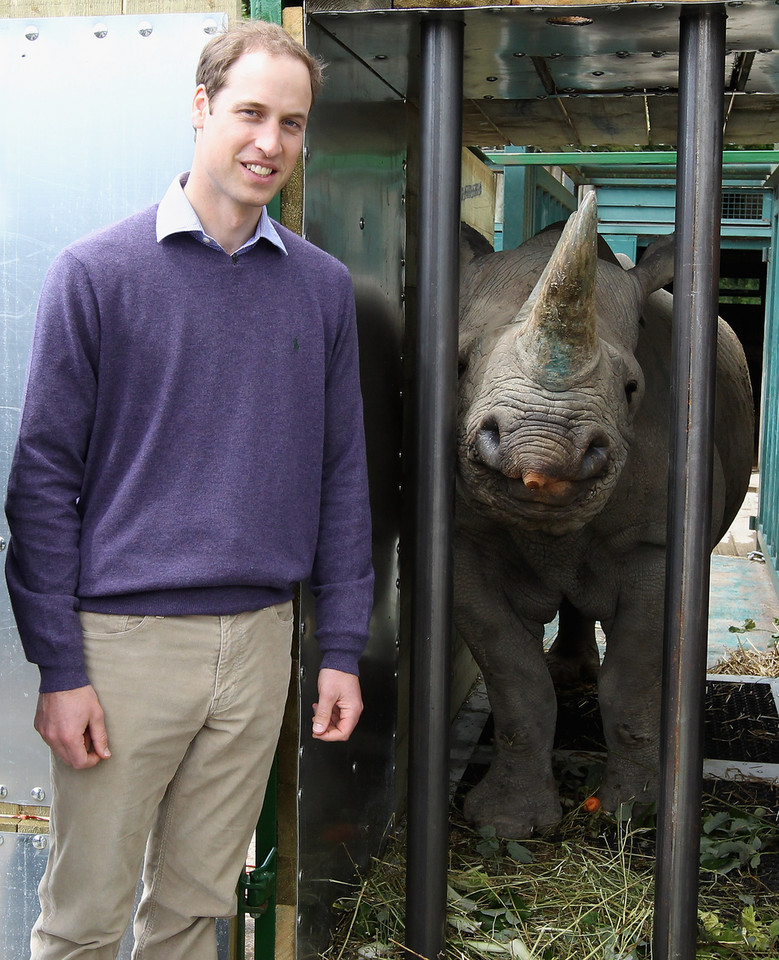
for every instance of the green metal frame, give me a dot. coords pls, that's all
(637, 158)
(257, 888)
(768, 512)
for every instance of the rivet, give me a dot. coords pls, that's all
(354, 767)
(39, 841)
(210, 27)
(597, 73)
(765, 50)
(100, 30)
(488, 96)
(38, 793)
(491, 79)
(381, 56)
(3, 791)
(362, 223)
(145, 29)
(623, 53)
(658, 53)
(519, 54)
(31, 32)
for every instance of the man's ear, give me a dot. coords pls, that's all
(199, 107)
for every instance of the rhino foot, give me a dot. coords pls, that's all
(629, 783)
(571, 674)
(514, 809)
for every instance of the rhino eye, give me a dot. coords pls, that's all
(462, 366)
(630, 388)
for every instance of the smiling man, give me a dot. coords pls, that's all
(191, 447)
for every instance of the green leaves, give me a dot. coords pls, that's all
(757, 935)
(732, 841)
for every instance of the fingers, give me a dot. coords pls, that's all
(339, 707)
(71, 722)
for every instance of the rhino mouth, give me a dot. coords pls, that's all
(533, 497)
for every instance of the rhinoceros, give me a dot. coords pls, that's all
(562, 474)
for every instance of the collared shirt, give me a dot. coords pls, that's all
(176, 214)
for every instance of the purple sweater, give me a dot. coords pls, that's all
(191, 442)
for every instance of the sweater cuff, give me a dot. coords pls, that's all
(341, 660)
(53, 679)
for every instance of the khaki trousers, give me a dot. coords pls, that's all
(193, 709)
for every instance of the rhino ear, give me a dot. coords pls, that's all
(656, 267)
(472, 245)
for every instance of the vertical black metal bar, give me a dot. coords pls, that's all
(436, 395)
(698, 213)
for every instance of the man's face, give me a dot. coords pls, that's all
(250, 134)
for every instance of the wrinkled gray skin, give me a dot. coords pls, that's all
(563, 420)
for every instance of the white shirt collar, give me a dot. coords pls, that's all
(175, 214)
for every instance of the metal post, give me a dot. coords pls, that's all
(440, 98)
(699, 184)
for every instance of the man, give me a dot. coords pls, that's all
(191, 446)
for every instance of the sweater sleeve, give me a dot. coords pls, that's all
(42, 566)
(342, 575)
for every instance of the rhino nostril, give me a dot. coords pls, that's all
(596, 459)
(488, 442)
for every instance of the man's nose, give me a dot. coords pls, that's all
(268, 140)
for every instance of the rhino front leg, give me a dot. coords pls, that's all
(629, 691)
(518, 794)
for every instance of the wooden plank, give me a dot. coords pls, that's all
(111, 8)
(477, 195)
(231, 7)
(61, 8)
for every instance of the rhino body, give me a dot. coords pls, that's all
(562, 484)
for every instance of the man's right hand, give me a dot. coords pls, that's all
(72, 724)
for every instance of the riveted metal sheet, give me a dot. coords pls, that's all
(355, 208)
(22, 862)
(96, 129)
(519, 60)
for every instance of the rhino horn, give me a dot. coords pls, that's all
(558, 337)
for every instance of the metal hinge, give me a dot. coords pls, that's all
(258, 886)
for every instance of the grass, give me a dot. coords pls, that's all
(580, 893)
(585, 890)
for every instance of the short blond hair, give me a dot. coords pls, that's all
(244, 36)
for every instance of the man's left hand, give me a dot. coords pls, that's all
(339, 707)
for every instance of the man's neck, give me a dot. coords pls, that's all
(230, 228)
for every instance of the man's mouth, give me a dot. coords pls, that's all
(260, 171)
